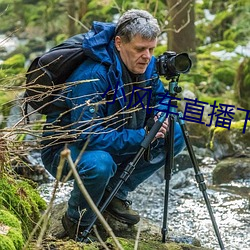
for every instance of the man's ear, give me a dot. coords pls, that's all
(118, 42)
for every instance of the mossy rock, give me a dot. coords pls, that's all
(225, 143)
(128, 244)
(11, 237)
(150, 235)
(21, 199)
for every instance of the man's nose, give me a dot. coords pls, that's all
(146, 54)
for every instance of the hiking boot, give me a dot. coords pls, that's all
(121, 211)
(75, 231)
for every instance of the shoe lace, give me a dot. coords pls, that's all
(127, 203)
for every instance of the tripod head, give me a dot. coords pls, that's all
(174, 89)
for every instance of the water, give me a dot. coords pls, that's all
(187, 212)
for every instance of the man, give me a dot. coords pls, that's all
(108, 115)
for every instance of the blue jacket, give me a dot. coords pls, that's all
(90, 116)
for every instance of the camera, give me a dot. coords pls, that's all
(171, 65)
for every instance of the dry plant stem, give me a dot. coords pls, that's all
(137, 236)
(99, 238)
(77, 160)
(45, 217)
(78, 22)
(66, 154)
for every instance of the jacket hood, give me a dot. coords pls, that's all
(98, 43)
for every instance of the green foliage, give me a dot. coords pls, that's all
(242, 83)
(12, 67)
(229, 23)
(224, 75)
(221, 23)
(216, 69)
(160, 49)
(17, 61)
(210, 99)
(48, 20)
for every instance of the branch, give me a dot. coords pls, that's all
(66, 155)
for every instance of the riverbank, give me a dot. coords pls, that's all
(188, 216)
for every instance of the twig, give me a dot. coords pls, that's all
(66, 154)
(99, 238)
(77, 21)
(137, 236)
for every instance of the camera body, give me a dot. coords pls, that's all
(171, 65)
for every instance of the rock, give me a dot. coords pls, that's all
(231, 169)
(149, 237)
(225, 143)
(181, 179)
(198, 133)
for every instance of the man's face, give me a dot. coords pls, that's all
(137, 53)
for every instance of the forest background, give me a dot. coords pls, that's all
(214, 33)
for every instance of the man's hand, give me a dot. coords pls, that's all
(164, 128)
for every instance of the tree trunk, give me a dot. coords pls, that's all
(71, 6)
(181, 27)
(83, 7)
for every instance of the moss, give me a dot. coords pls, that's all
(13, 239)
(6, 243)
(16, 237)
(234, 125)
(128, 244)
(22, 200)
(9, 219)
(214, 132)
(222, 135)
(238, 125)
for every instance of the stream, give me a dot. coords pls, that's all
(187, 212)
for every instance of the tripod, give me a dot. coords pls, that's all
(129, 169)
(169, 163)
(173, 90)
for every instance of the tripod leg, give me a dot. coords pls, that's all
(200, 179)
(168, 173)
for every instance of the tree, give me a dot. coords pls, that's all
(181, 26)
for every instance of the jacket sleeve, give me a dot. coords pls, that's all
(89, 121)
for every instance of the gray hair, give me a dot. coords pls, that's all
(137, 22)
